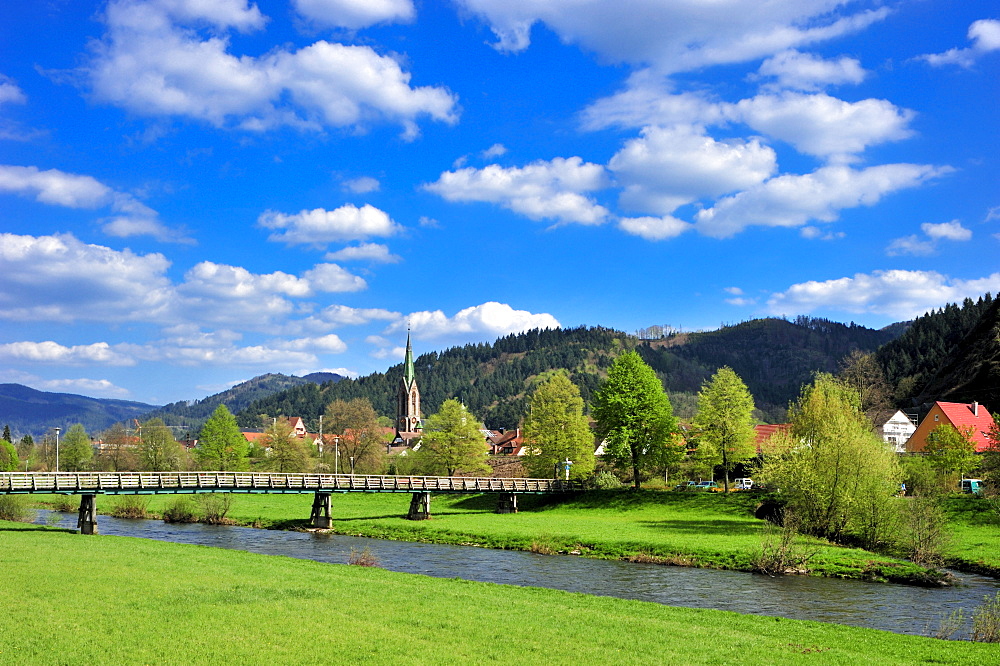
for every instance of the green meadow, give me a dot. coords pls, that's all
(70, 599)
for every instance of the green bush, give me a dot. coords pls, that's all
(181, 510)
(130, 506)
(14, 507)
(606, 481)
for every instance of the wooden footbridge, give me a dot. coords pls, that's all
(90, 484)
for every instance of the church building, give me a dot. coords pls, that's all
(408, 425)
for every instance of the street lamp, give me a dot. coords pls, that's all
(352, 465)
(57, 447)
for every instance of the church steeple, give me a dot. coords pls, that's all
(408, 395)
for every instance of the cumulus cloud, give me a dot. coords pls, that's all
(333, 278)
(494, 151)
(894, 293)
(488, 319)
(58, 188)
(59, 278)
(53, 352)
(372, 252)
(320, 227)
(10, 92)
(355, 14)
(654, 228)
(168, 58)
(326, 344)
(674, 36)
(809, 72)
(650, 99)
(793, 200)
(985, 37)
(825, 126)
(668, 167)
(928, 244)
(97, 388)
(541, 190)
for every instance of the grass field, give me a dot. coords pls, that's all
(112, 600)
(694, 529)
(975, 535)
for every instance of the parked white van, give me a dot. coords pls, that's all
(744, 484)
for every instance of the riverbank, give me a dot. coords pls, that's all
(121, 600)
(688, 529)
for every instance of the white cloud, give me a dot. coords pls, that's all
(894, 293)
(668, 167)
(923, 246)
(992, 214)
(59, 278)
(540, 190)
(649, 99)
(326, 344)
(333, 278)
(674, 36)
(58, 188)
(98, 388)
(10, 92)
(825, 126)
(793, 200)
(494, 151)
(654, 228)
(948, 230)
(155, 61)
(809, 72)
(491, 319)
(815, 233)
(985, 37)
(355, 14)
(53, 352)
(362, 185)
(221, 281)
(372, 252)
(320, 227)
(342, 315)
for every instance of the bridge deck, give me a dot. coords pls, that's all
(151, 483)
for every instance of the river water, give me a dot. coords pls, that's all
(898, 608)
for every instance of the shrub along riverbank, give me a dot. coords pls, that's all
(112, 600)
(690, 529)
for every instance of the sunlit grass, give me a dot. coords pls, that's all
(73, 599)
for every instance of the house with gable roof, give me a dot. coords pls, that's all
(896, 429)
(960, 415)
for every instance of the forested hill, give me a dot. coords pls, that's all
(491, 379)
(193, 414)
(971, 370)
(774, 356)
(932, 341)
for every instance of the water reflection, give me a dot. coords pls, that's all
(898, 608)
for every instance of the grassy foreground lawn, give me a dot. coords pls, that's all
(70, 599)
(693, 529)
(975, 535)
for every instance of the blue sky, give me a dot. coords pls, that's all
(196, 192)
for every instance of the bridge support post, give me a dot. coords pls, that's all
(320, 517)
(507, 503)
(87, 523)
(420, 506)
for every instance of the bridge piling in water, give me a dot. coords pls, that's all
(420, 507)
(320, 516)
(507, 503)
(87, 522)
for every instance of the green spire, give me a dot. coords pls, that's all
(408, 372)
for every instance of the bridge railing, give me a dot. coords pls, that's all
(112, 482)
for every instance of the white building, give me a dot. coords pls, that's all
(897, 430)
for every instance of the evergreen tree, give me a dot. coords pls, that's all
(6, 434)
(452, 441)
(555, 430)
(76, 451)
(724, 423)
(633, 415)
(221, 445)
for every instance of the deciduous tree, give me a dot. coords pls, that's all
(633, 414)
(724, 422)
(452, 441)
(951, 449)
(360, 434)
(9, 461)
(555, 430)
(158, 450)
(119, 451)
(75, 450)
(221, 445)
(286, 453)
(835, 473)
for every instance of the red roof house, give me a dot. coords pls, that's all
(961, 415)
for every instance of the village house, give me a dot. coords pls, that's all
(960, 415)
(896, 430)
